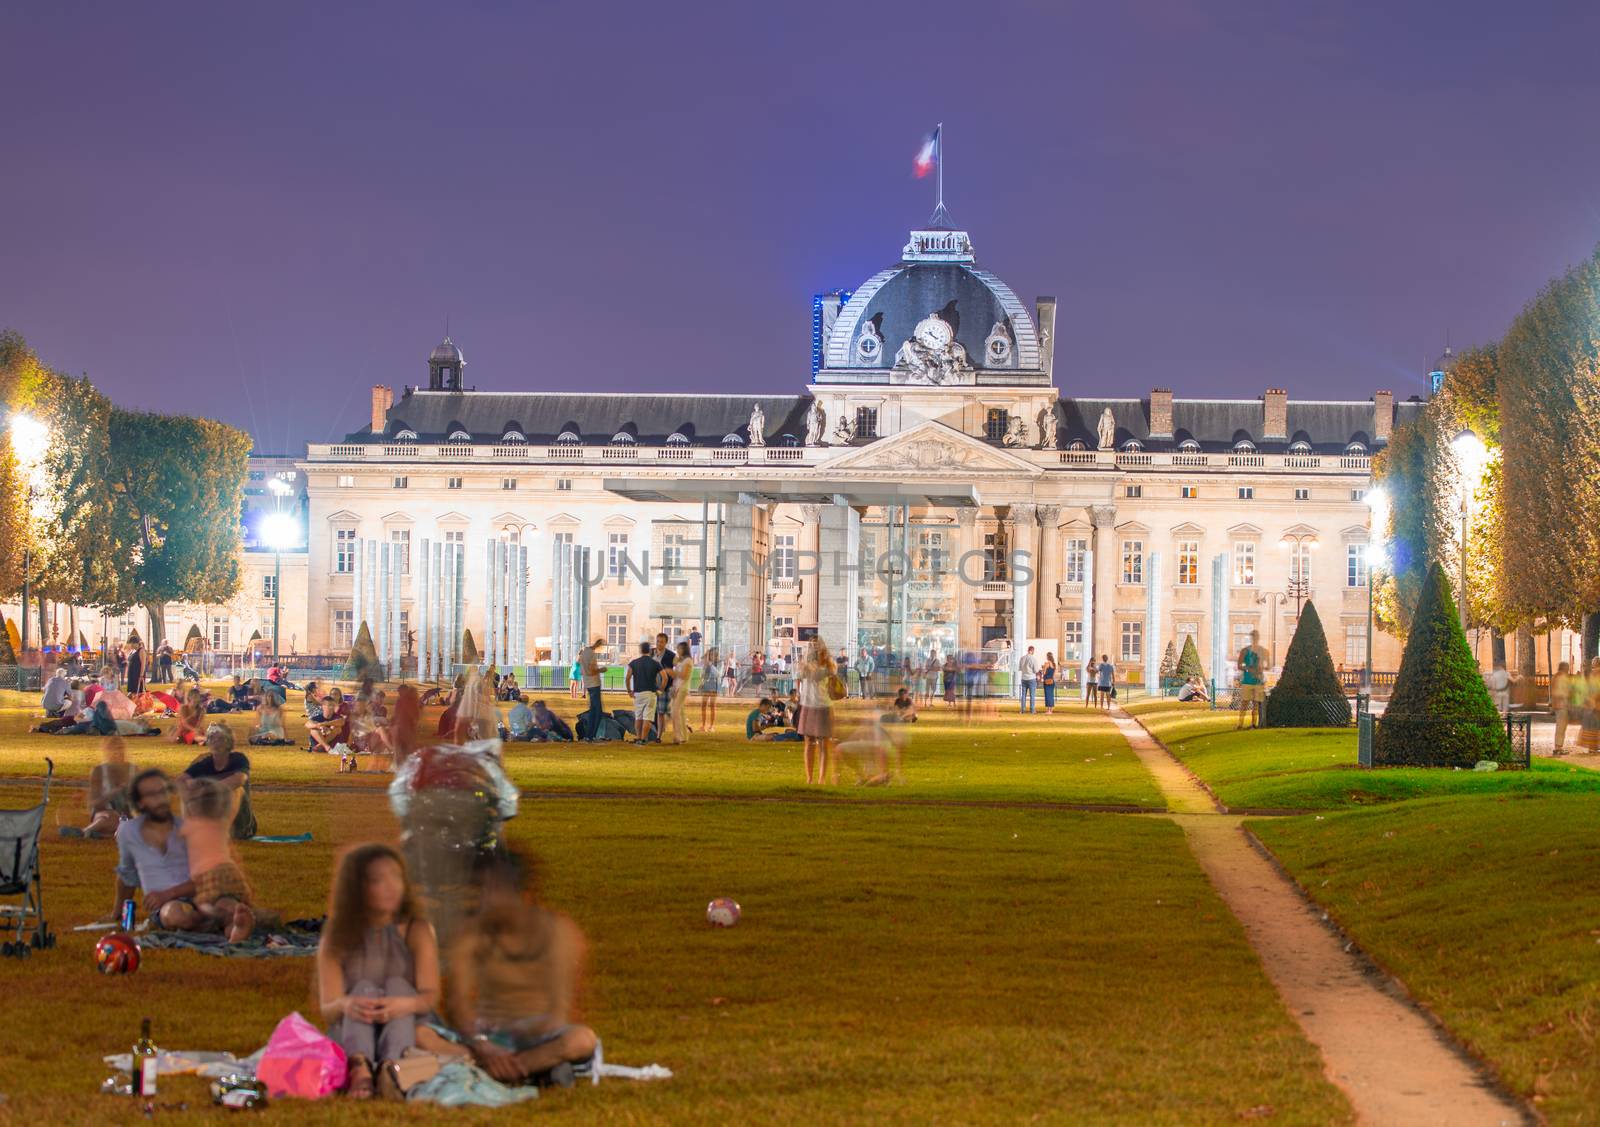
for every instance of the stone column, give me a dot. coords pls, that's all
(1107, 559)
(743, 568)
(808, 563)
(1048, 620)
(966, 578)
(1024, 595)
(839, 545)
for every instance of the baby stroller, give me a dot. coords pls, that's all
(19, 877)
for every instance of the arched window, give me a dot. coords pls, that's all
(1078, 444)
(622, 438)
(1189, 446)
(1358, 449)
(677, 438)
(788, 440)
(1301, 446)
(732, 440)
(567, 438)
(1132, 446)
(512, 437)
(459, 436)
(1244, 446)
(405, 435)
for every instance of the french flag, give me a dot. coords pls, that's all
(928, 155)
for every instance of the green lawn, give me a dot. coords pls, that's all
(897, 963)
(1316, 769)
(1489, 909)
(1071, 757)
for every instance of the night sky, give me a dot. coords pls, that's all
(255, 212)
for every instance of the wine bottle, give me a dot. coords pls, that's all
(144, 1062)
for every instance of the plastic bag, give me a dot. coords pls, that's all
(301, 1061)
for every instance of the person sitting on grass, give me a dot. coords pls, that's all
(229, 767)
(514, 972)
(239, 699)
(377, 965)
(152, 857)
(553, 727)
(108, 792)
(56, 696)
(313, 702)
(1193, 689)
(330, 727)
(519, 723)
(904, 710)
(191, 719)
(757, 720)
(269, 730)
(220, 891)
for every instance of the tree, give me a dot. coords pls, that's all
(363, 660)
(469, 650)
(8, 653)
(178, 489)
(1309, 694)
(1169, 663)
(1441, 714)
(1189, 663)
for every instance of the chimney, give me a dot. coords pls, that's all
(1161, 413)
(1044, 311)
(382, 400)
(1382, 416)
(1276, 407)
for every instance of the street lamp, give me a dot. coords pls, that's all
(29, 440)
(1299, 575)
(1377, 499)
(1470, 455)
(278, 530)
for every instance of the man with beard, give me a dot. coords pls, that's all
(152, 856)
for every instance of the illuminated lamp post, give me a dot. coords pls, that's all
(1299, 580)
(1377, 532)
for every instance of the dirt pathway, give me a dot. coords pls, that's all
(1388, 1058)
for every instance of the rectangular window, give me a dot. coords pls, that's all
(616, 555)
(1133, 491)
(996, 421)
(617, 634)
(1355, 644)
(508, 483)
(344, 550)
(1188, 492)
(269, 586)
(456, 537)
(561, 538)
(1188, 563)
(783, 560)
(1358, 495)
(1247, 493)
(672, 557)
(866, 422)
(343, 635)
(400, 539)
(1133, 561)
(401, 482)
(783, 626)
(1242, 629)
(1300, 563)
(1132, 641)
(1072, 640)
(931, 561)
(1302, 494)
(452, 483)
(1355, 571)
(347, 480)
(563, 484)
(995, 569)
(1244, 563)
(219, 632)
(1077, 551)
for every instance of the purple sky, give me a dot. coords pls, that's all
(257, 211)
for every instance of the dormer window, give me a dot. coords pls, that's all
(677, 438)
(1356, 449)
(788, 440)
(1078, 444)
(732, 440)
(1244, 446)
(567, 438)
(512, 437)
(405, 435)
(459, 436)
(1300, 446)
(1132, 446)
(1189, 446)
(622, 438)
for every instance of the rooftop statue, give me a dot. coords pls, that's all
(1108, 429)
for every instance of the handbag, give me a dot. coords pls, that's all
(836, 689)
(412, 1069)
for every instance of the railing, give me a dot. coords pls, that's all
(456, 450)
(1078, 458)
(736, 454)
(1247, 461)
(1301, 462)
(572, 453)
(1135, 459)
(401, 451)
(1191, 460)
(619, 453)
(997, 587)
(348, 451)
(510, 452)
(1381, 679)
(676, 453)
(1355, 462)
(786, 454)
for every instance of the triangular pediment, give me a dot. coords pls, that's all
(1188, 529)
(1244, 530)
(933, 447)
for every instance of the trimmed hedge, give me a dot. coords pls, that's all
(1309, 694)
(363, 662)
(1189, 664)
(1441, 714)
(8, 655)
(469, 650)
(1169, 663)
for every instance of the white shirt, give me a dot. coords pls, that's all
(1028, 667)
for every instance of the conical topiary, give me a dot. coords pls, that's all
(133, 638)
(1189, 663)
(194, 640)
(1441, 714)
(8, 648)
(469, 650)
(1309, 694)
(363, 661)
(1169, 663)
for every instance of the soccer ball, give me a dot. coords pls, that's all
(117, 953)
(722, 912)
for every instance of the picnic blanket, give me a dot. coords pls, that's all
(273, 943)
(282, 839)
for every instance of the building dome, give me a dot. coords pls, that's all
(446, 352)
(935, 318)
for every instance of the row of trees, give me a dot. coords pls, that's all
(115, 508)
(1533, 538)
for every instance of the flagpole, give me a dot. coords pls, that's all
(938, 154)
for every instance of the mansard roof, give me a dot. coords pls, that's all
(1218, 424)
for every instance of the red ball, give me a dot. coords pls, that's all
(117, 953)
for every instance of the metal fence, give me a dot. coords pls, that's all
(23, 678)
(1438, 731)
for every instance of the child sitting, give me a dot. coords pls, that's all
(220, 891)
(191, 719)
(269, 723)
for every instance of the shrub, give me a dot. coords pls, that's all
(1189, 664)
(1309, 694)
(363, 661)
(8, 654)
(1169, 663)
(1441, 714)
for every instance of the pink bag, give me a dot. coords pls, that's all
(301, 1061)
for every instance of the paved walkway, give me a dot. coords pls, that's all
(1390, 1060)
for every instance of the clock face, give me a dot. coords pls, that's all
(934, 332)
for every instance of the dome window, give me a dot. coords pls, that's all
(732, 440)
(1300, 446)
(788, 440)
(1132, 446)
(1189, 446)
(1078, 444)
(405, 434)
(1357, 449)
(1244, 446)
(677, 438)
(459, 436)
(512, 437)
(567, 438)
(622, 438)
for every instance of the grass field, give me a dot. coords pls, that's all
(1316, 769)
(1488, 908)
(911, 962)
